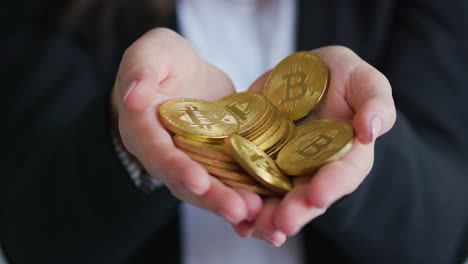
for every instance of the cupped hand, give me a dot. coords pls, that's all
(358, 94)
(159, 66)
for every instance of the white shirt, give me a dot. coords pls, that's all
(244, 38)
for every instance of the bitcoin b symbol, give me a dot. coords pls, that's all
(314, 147)
(255, 157)
(263, 164)
(295, 86)
(239, 110)
(199, 118)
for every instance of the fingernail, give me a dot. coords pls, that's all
(276, 239)
(376, 125)
(131, 87)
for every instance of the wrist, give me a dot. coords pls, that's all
(134, 168)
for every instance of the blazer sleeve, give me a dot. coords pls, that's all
(65, 196)
(413, 206)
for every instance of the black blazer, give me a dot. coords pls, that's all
(66, 198)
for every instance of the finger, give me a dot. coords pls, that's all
(162, 62)
(254, 205)
(364, 89)
(216, 79)
(146, 64)
(253, 202)
(295, 211)
(277, 237)
(370, 96)
(174, 167)
(259, 83)
(342, 177)
(219, 199)
(190, 182)
(264, 225)
(244, 229)
(185, 178)
(333, 181)
(157, 151)
(264, 222)
(226, 201)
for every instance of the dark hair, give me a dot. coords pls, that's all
(106, 27)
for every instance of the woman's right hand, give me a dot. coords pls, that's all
(160, 66)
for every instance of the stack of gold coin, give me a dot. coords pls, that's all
(218, 161)
(200, 128)
(256, 128)
(260, 121)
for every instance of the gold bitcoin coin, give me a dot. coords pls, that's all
(249, 108)
(297, 84)
(327, 141)
(307, 127)
(279, 134)
(265, 124)
(198, 120)
(267, 129)
(229, 175)
(212, 151)
(249, 187)
(289, 135)
(215, 163)
(258, 164)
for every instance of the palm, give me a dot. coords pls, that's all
(161, 66)
(356, 93)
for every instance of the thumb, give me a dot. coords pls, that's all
(366, 91)
(144, 68)
(370, 96)
(259, 83)
(139, 90)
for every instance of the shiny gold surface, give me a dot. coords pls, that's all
(307, 127)
(267, 130)
(249, 108)
(297, 84)
(237, 137)
(198, 120)
(322, 142)
(213, 162)
(230, 175)
(289, 135)
(249, 187)
(258, 164)
(213, 151)
(280, 132)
